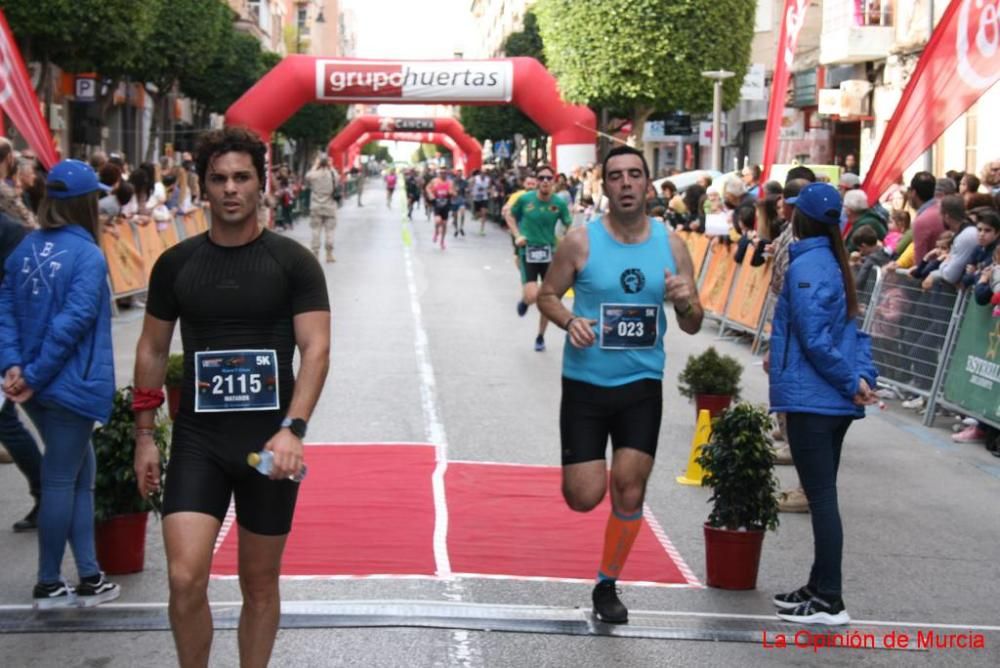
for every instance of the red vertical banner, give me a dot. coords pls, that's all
(792, 18)
(960, 63)
(18, 100)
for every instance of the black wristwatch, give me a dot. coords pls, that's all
(295, 425)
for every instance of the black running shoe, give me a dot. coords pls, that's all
(55, 595)
(817, 611)
(95, 590)
(29, 522)
(794, 599)
(539, 344)
(608, 607)
(522, 308)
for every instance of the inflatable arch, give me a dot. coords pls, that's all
(361, 125)
(523, 82)
(461, 159)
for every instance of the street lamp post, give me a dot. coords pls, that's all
(299, 24)
(717, 76)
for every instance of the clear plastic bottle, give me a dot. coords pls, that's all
(264, 460)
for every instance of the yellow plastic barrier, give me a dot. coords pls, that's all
(750, 293)
(125, 264)
(718, 278)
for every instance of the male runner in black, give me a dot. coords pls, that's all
(246, 298)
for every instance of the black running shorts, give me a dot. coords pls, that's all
(630, 414)
(208, 467)
(442, 211)
(480, 205)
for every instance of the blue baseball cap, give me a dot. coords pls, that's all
(72, 178)
(819, 201)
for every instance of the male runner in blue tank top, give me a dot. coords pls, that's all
(623, 269)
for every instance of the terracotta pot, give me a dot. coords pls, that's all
(713, 403)
(173, 401)
(732, 557)
(121, 543)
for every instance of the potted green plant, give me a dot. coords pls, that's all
(712, 380)
(738, 464)
(119, 512)
(173, 381)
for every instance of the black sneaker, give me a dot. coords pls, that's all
(95, 590)
(608, 607)
(817, 611)
(55, 595)
(522, 308)
(794, 599)
(29, 522)
(539, 344)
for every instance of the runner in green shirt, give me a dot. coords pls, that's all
(532, 220)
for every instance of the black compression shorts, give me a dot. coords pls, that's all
(442, 211)
(206, 469)
(480, 204)
(630, 414)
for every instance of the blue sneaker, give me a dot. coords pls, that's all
(539, 344)
(522, 308)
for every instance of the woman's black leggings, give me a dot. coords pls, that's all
(816, 442)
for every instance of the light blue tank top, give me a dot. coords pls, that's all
(621, 287)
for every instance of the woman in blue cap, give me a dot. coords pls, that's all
(822, 376)
(57, 362)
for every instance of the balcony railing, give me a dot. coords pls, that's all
(873, 13)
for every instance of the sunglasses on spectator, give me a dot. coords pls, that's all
(545, 178)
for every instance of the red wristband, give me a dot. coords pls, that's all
(145, 399)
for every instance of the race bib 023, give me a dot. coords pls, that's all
(236, 380)
(629, 326)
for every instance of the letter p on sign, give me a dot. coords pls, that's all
(86, 89)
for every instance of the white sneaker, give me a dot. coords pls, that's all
(914, 404)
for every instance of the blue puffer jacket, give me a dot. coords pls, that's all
(55, 320)
(818, 356)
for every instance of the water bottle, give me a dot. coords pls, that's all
(264, 460)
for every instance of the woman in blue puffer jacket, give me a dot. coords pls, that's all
(822, 376)
(57, 362)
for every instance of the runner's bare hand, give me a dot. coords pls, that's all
(677, 289)
(581, 332)
(146, 465)
(288, 455)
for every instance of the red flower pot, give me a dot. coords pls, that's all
(732, 557)
(174, 401)
(713, 403)
(121, 543)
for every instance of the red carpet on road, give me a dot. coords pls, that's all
(368, 510)
(362, 510)
(506, 519)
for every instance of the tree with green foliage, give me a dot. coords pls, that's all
(377, 151)
(101, 36)
(312, 127)
(653, 57)
(503, 122)
(236, 66)
(183, 43)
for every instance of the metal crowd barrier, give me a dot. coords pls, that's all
(910, 328)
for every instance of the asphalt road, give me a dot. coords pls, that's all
(427, 347)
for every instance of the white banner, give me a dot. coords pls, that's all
(432, 81)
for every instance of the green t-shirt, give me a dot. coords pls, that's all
(537, 219)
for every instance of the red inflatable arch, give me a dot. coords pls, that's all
(362, 125)
(523, 82)
(462, 161)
